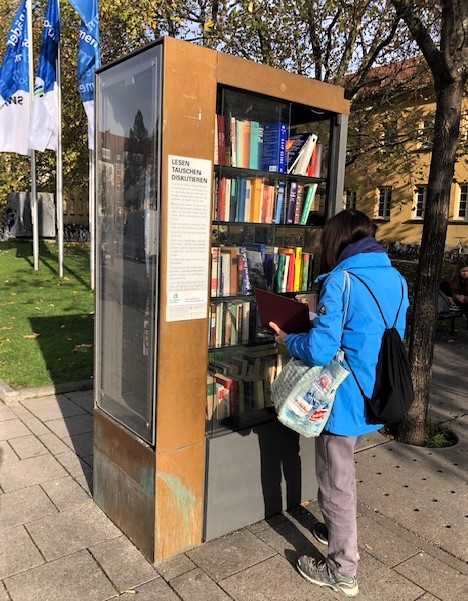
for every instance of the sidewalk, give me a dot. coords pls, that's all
(56, 544)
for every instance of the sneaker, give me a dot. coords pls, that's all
(320, 532)
(319, 573)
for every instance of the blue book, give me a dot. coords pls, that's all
(233, 200)
(274, 147)
(279, 203)
(240, 209)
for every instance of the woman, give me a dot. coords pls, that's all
(348, 243)
(459, 286)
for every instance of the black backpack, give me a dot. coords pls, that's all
(393, 391)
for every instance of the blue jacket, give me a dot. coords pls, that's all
(362, 332)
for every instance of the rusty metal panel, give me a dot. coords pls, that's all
(254, 77)
(124, 481)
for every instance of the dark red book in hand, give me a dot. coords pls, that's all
(289, 314)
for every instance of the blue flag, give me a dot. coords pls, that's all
(43, 131)
(89, 57)
(14, 87)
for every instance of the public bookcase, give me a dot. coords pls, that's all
(214, 175)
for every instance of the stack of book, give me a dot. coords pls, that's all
(237, 385)
(238, 270)
(259, 200)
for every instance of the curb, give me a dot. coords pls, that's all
(9, 395)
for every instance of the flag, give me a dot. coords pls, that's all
(89, 57)
(43, 132)
(14, 87)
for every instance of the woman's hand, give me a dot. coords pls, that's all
(280, 334)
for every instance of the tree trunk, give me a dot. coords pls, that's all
(449, 96)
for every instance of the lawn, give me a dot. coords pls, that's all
(46, 322)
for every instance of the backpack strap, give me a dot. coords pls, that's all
(377, 302)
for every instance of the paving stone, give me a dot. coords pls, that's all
(274, 579)
(89, 460)
(433, 576)
(197, 586)
(227, 555)
(66, 493)
(36, 426)
(20, 411)
(390, 548)
(7, 454)
(378, 582)
(53, 443)
(6, 413)
(24, 505)
(13, 428)
(3, 593)
(293, 538)
(83, 399)
(123, 563)
(28, 472)
(81, 444)
(53, 407)
(70, 531)
(73, 578)
(176, 566)
(74, 464)
(28, 446)
(17, 552)
(156, 590)
(86, 482)
(69, 426)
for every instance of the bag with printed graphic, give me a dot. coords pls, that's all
(303, 396)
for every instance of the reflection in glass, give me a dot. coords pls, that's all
(127, 239)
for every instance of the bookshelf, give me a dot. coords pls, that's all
(195, 179)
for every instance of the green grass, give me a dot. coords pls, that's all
(46, 322)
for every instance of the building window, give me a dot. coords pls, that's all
(106, 153)
(426, 133)
(420, 202)
(385, 201)
(463, 202)
(350, 199)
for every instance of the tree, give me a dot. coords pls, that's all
(440, 32)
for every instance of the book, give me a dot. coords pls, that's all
(318, 161)
(215, 271)
(256, 200)
(229, 261)
(289, 314)
(279, 202)
(255, 268)
(291, 205)
(254, 144)
(309, 195)
(245, 284)
(301, 163)
(297, 269)
(240, 209)
(299, 203)
(233, 144)
(305, 271)
(220, 140)
(274, 147)
(225, 273)
(293, 147)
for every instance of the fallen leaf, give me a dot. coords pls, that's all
(368, 546)
(6, 328)
(33, 335)
(128, 591)
(84, 345)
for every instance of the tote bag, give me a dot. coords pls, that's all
(303, 396)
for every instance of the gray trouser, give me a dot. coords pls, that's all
(336, 475)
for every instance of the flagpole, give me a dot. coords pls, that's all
(92, 207)
(34, 209)
(59, 162)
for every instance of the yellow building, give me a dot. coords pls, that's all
(390, 144)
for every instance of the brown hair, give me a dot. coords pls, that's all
(339, 231)
(458, 284)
